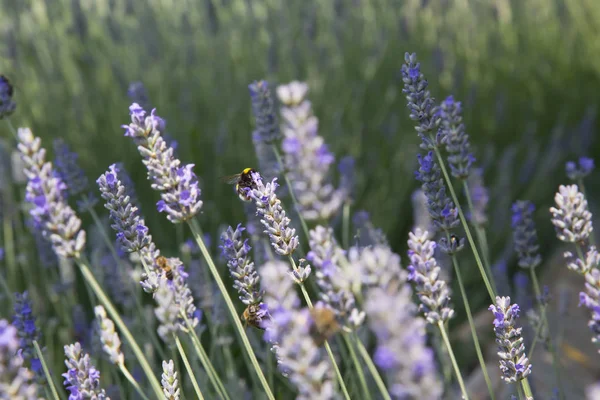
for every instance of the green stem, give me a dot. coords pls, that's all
(480, 233)
(459, 377)
(465, 225)
(552, 348)
(371, 367)
(346, 225)
(9, 247)
(520, 392)
(205, 361)
(327, 346)
(46, 371)
(359, 371)
(233, 314)
(132, 380)
(188, 368)
(114, 314)
(270, 368)
(582, 187)
(12, 128)
(526, 389)
(463, 294)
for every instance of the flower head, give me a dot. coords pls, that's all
(28, 332)
(583, 266)
(16, 381)
(178, 185)
(71, 173)
(460, 157)
(525, 235)
(111, 343)
(424, 272)
(169, 381)
(7, 105)
(580, 170)
(571, 218)
(51, 213)
(514, 363)
(263, 109)
(82, 379)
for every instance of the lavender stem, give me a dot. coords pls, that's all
(188, 367)
(459, 378)
(46, 371)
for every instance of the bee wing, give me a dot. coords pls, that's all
(231, 179)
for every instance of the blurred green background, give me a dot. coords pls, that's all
(528, 73)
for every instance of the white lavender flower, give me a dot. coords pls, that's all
(591, 300)
(525, 235)
(178, 185)
(273, 217)
(82, 379)
(50, 211)
(111, 343)
(335, 285)
(514, 363)
(582, 267)
(424, 271)
(16, 381)
(571, 217)
(169, 381)
(298, 357)
(376, 266)
(306, 156)
(592, 392)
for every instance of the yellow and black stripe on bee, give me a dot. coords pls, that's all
(242, 182)
(253, 316)
(164, 265)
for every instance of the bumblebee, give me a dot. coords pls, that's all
(164, 265)
(251, 316)
(7, 83)
(324, 325)
(242, 181)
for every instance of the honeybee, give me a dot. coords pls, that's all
(7, 83)
(252, 316)
(164, 265)
(242, 181)
(324, 325)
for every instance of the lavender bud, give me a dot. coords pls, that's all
(16, 381)
(582, 267)
(111, 343)
(591, 299)
(28, 332)
(579, 171)
(514, 363)
(50, 211)
(7, 105)
(525, 235)
(460, 157)
(82, 379)
(419, 101)
(169, 381)
(424, 272)
(180, 194)
(571, 217)
(69, 170)
(273, 217)
(264, 112)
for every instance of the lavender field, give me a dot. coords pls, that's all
(259, 199)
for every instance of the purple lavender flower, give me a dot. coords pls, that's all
(169, 381)
(306, 156)
(576, 171)
(334, 281)
(264, 112)
(16, 381)
(137, 93)
(28, 332)
(424, 272)
(419, 101)
(82, 379)
(347, 170)
(591, 300)
(50, 211)
(514, 363)
(7, 105)
(243, 272)
(283, 238)
(46, 255)
(479, 196)
(127, 182)
(289, 331)
(180, 194)
(460, 157)
(525, 235)
(71, 173)
(571, 218)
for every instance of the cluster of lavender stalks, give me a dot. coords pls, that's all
(317, 304)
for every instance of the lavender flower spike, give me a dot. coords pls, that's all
(180, 194)
(169, 381)
(263, 109)
(273, 217)
(69, 170)
(27, 332)
(525, 235)
(419, 101)
(579, 171)
(424, 272)
(111, 343)
(50, 211)
(7, 105)
(571, 218)
(16, 381)
(514, 363)
(460, 157)
(82, 379)
(306, 156)
(480, 196)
